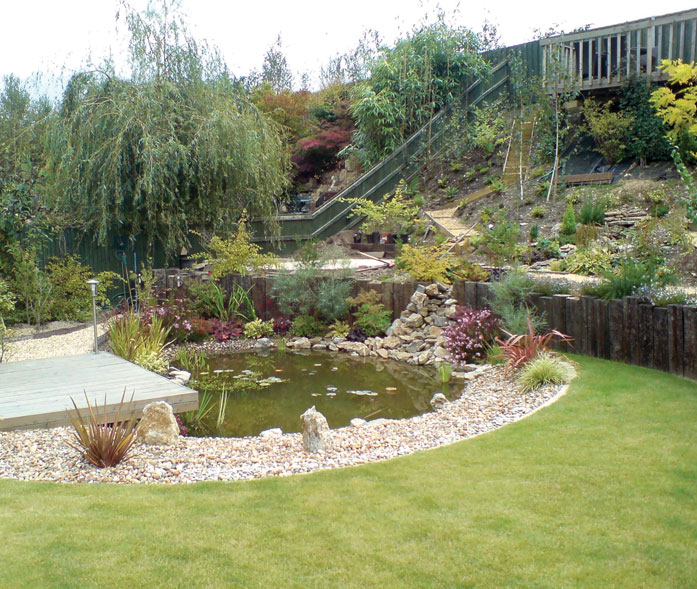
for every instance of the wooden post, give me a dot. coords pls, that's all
(482, 295)
(676, 340)
(257, 294)
(660, 359)
(689, 317)
(645, 335)
(588, 327)
(629, 52)
(459, 292)
(388, 298)
(618, 55)
(615, 328)
(631, 348)
(470, 296)
(574, 323)
(557, 319)
(535, 303)
(402, 294)
(600, 322)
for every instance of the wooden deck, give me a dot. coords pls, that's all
(607, 57)
(36, 393)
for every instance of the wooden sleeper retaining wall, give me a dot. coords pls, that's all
(664, 338)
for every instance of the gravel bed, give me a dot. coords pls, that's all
(80, 341)
(488, 402)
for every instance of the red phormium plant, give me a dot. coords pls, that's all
(468, 338)
(103, 440)
(519, 349)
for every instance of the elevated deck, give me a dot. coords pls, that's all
(609, 56)
(36, 393)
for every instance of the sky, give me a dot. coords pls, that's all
(54, 36)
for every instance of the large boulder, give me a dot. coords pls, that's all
(158, 427)
(317, 437)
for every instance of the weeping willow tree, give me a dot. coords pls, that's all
(171, 147)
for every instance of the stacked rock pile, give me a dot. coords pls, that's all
(414, 337)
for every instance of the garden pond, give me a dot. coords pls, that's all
(244, 393)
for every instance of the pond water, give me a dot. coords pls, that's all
(251, 392)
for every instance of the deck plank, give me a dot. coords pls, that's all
(37, 393)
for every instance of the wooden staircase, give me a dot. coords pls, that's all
(335, 215)
(515, 171)
(515, 168)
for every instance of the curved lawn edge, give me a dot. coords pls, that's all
(599, 490)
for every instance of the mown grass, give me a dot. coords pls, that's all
(597, 490)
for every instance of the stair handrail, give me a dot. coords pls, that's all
(383, 164)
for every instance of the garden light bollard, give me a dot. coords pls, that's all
(93, 285)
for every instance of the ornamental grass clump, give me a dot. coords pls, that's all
(103, 441)
(544, 369)
(137, 341)
(473, 331)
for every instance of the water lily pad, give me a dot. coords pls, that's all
(363, 393)
(273, 379)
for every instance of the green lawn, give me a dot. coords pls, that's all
(598, 490)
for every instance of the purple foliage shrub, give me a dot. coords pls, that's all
(357, 334)
(224, 331)
(281, 325)
(315, 155)
(468, 338)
